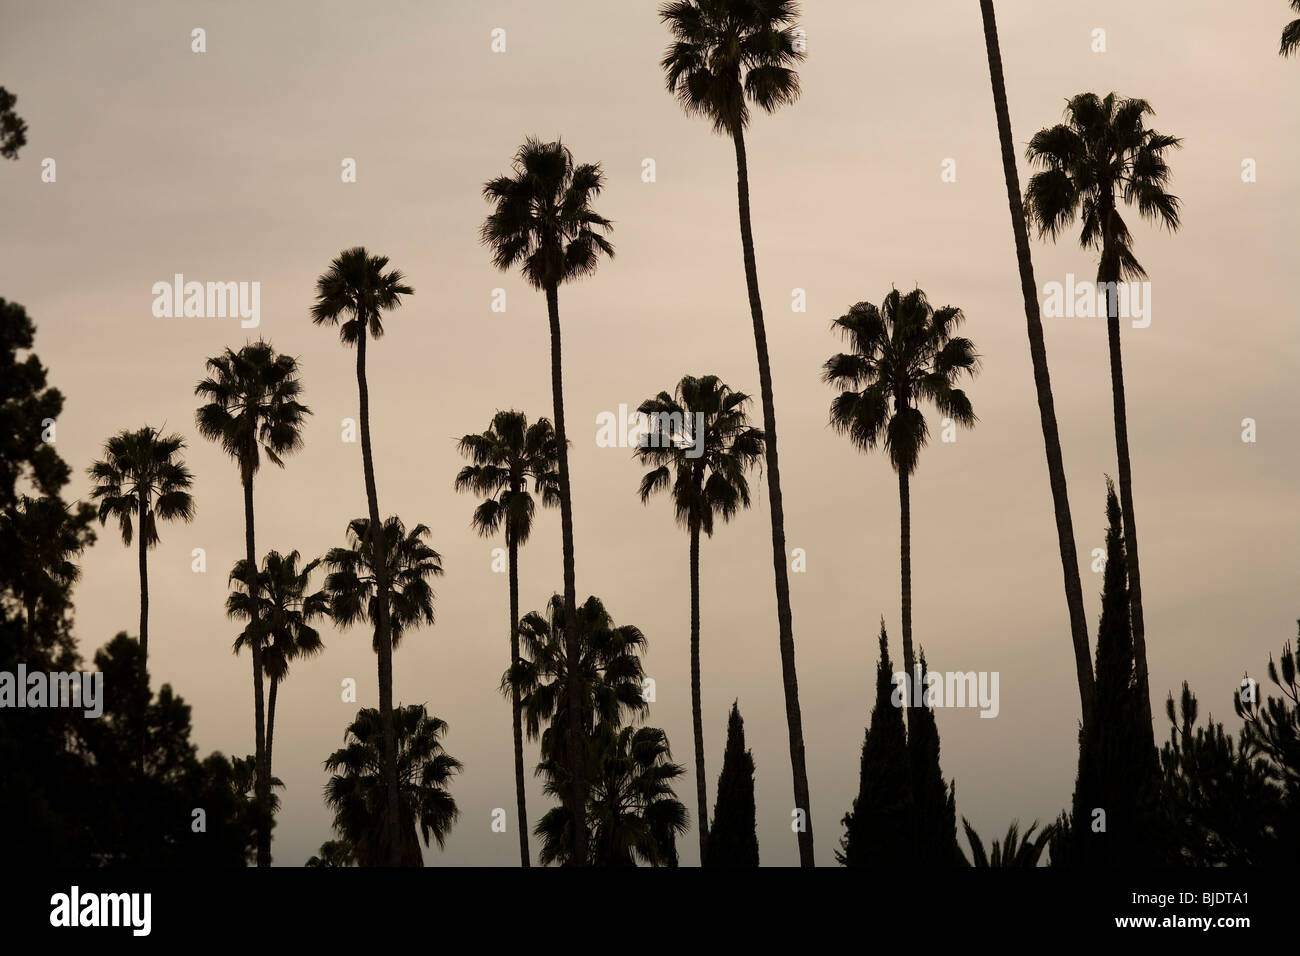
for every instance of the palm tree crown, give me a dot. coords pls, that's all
(252, 405)
(505, 458)
(1102, 152)
(142, 471)
(357, 794)
(902, 353)
(712, 482)
(1291, 33)
(542, 217)
(352, 583)
(285, 607)
(354, 293)
(727, 54)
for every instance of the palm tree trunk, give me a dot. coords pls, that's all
(1042, 380)
(577, 743)
(270, 725)
(701, 787)
(514, 694)
(905, 579)
(144, 588)
(378, 555)
(1109, 273)
(784, 617)
(261, 786)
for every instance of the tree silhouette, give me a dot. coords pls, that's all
(725, 56)
(733, 839)
(542, 221)
(354, 293)
(252, 409)
(1042, 376)
(702, 445)
(505, 458)
(1103, 154)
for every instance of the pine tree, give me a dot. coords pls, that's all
(733, 838)
(878, 830)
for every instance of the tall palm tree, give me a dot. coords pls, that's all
(505, 458)
(704, 454)
(1042, 377)
(903, 354)
(252, 409)
(543, 221)
(1101, 155)
(142, 474)
(357, 791)
(353, 294)
(634, 813)
(285, 606)
(726, 55)
(1291, 33)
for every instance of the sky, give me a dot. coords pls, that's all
(226, 165)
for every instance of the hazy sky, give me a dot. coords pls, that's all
(225, 166)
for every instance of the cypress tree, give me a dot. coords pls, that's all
(1117, 770)
(878, 831)
(733, 838)
(935, 802)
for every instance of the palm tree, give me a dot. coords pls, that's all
(608, 673)
(1291, 33)
(505, 458)
(543, 221)
(332, 853)
(142, 474)
(252, 409)
(903, 353)
(726, 55)
(1014, 850)
(353, 294)
(285, 609)
(357, 791)
(634, 813)
(1042, 377)
(1101, 154)
(43, 538)
(704, 453)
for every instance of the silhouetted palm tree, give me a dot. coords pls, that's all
(253, 409)
(1042, 377)
(505, 458)
(285, 608)
(609, 675)
(726, 55)
(353, 584)
(702, 445)
(634, 813)
(1103, 154)
(1291, 33)
(332, 853)
(543, 221)
(357, 790)
(353, 294)
(142, 474)
(903, 353)
(1015, 850)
